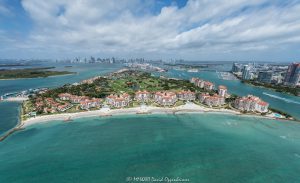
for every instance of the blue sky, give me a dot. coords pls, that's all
(235, 30)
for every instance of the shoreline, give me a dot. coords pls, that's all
(189, 108)
(12, 79)
(183, 109)
(265, 87)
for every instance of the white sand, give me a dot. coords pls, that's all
(16, 99)
(136, 110)
(187, 108)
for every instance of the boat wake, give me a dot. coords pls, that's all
(281, 98)
(283, 137)
(297, 155)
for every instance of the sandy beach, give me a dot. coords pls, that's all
(187, 108)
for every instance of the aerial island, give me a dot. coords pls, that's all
(31, 73)
(138, 92)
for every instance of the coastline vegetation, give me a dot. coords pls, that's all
(31, 73)
(129, 82)
(115, 83)
(12, 65)
(278, 88)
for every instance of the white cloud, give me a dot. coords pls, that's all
(127, 27)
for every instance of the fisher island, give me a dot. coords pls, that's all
(138, 92)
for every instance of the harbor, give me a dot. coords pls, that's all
(226, 76)
(21, 96)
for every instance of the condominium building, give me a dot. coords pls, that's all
(198, 82)
(65, 96)
(293, 75)
(265, 76)
(142, 96)
(194, 80)
(208, 85)
(222, 91)
(246, 73)
(236, 67)
(77, 99)
(186, 95)
(251, 103)
(64, 107)
(118, 101)
(215, 100)
(90, 103)
(165, 98)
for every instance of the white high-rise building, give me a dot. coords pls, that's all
(246, 73)
(222, 91)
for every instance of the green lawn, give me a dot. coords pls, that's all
(117, 83)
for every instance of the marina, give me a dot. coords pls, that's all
(21, 96)
(226, 76)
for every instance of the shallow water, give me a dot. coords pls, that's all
(198, 147)
(9, 115)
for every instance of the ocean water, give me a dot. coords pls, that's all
(83, 71)
(9, 115)
(199, 147)
(9, 112)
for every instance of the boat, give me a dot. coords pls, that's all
(192, 70)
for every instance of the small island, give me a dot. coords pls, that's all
(136, 92)
(31, 73)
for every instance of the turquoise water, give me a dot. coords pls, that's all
(200, 147)
(84, 71)
(281, 101)
(9, 115)
(9, 112)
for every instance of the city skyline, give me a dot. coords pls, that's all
(260, 30)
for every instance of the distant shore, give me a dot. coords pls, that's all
(57, 75)
(29, 73)
(187, 108)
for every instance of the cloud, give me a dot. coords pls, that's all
(127, 27)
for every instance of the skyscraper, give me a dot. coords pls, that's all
(236, 67)
(293, 75)
(265, 76)
(246, 73)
